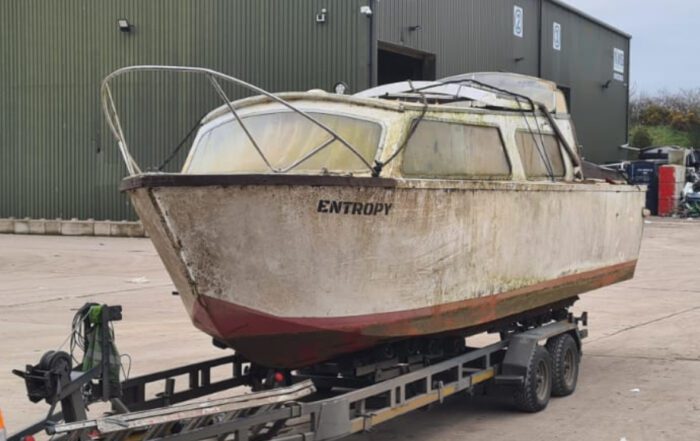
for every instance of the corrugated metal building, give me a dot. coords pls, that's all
(58, 160)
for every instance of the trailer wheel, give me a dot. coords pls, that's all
(533, 396)
(565, 362)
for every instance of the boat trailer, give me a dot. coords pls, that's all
(291, 408)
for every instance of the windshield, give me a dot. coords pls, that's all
(284, 138)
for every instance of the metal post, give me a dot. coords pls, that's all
(106, 352)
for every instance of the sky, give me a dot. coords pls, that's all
(665, 39)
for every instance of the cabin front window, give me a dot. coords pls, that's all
(533, 155)
(284, 138)
(449, 150)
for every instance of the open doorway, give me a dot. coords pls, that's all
(567, 95)
(399, 63)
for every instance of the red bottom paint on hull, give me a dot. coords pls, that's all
(282, 342)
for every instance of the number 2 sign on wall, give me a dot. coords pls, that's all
(518, 22)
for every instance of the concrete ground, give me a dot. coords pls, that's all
(640, 375)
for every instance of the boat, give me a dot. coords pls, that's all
(306, 226)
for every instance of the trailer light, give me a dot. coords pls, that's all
(29, 438)
(279, 377)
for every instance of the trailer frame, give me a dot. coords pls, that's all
(276, 417)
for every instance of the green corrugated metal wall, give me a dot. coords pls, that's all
(57, 159)
(585, 64)
(465, 35)
(477, 35)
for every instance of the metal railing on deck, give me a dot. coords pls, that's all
(110, 110)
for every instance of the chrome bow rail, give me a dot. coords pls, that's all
(110, 110)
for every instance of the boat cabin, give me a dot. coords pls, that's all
(457, 128)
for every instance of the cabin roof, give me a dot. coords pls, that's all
(492, 90)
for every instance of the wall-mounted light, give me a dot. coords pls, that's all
(415, 28)
(321, 16)
(124, 25)
(366, 11)
(519, 59)
(606, 84)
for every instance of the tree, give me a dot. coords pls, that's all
(694, 134)
(641, 138)
(655, 115)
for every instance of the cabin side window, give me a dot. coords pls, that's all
(449, 150)
(531, 154)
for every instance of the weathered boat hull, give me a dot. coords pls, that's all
(294, 270)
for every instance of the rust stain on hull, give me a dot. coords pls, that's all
(297, 342)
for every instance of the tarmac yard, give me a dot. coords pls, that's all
(640, 373)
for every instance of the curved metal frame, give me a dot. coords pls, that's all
(531, 106)
(111, 115)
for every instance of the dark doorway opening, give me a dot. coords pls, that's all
(567, 95)
(398, 63)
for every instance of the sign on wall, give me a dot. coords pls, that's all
(556, 36)
(518, 21)
(619, 60)
(619, 64)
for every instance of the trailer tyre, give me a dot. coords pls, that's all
(533, 396)
(565, 363)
